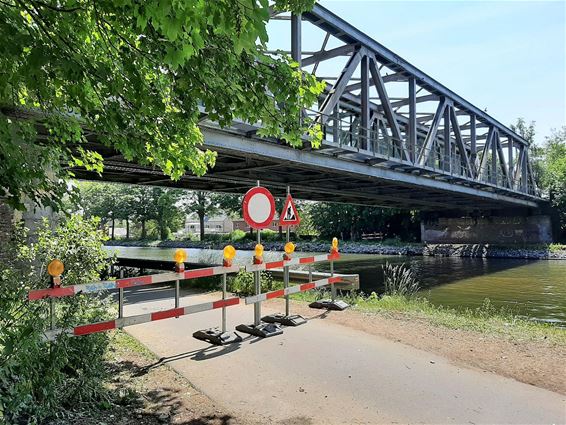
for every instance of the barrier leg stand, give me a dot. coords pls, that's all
(286, 319)
(259, 328)
(333, 303)
(219, 336)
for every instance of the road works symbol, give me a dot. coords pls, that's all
(258, 207)
(289, 215)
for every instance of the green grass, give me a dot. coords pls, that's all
(486, 319)
(121, 342)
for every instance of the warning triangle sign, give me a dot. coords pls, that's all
(289, 215)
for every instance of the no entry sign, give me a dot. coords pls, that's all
(258, 207)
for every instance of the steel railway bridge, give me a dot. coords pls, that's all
(393, 136)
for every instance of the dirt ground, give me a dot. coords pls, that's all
(152, 393)
(539, 363)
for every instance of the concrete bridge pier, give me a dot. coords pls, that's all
(498, 228)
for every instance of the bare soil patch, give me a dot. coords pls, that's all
(150, 393)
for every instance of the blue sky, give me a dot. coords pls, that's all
(506, 56)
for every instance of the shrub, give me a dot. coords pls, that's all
(399, 280)
(269, 235)
(237, 235)
(40, 380)
(216, 237)
(243, 283)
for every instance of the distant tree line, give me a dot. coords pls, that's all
(549, 166)
(352, 222)
(157, 213)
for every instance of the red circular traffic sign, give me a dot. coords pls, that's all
(258, 207)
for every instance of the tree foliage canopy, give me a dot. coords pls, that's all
(554, 178)
(351, 221)
(138, 75)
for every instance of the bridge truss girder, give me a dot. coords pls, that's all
(428, 127)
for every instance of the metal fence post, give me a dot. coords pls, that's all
(331, 304)
(214, 335)
(224, 308)
(177, 290)
(332, 287)
(121, 297)
(51, 314)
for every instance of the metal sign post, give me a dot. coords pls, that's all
(258, 211)
(257, 281)
(286, 270)
(289, 212)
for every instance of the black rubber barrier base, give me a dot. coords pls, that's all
(217, 337)
(291, 320)
(263, 330)
(330, 305)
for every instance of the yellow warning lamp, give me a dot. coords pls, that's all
(334, 248)
(180, 257)
(229, 254)
(55, 269)
(258, 251)
(289, 249)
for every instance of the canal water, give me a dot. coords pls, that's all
(530, 288)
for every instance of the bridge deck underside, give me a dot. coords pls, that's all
(327, 174)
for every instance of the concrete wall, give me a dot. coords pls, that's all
(32, 218)
(491, 230)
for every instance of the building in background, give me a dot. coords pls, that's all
(240, 224)
(219, 224)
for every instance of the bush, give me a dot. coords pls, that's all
(237, 235)
(40, 380)
(269, 235)
(243, 283)
(217, 237)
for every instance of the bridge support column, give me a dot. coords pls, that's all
(31, 219)
(498, 230)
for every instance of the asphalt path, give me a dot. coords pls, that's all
(325, 373)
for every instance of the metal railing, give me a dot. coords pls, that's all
(379, 143)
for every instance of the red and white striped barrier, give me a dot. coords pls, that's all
(292, 262)
(67, 291)
(50, 335)
(292, 290)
